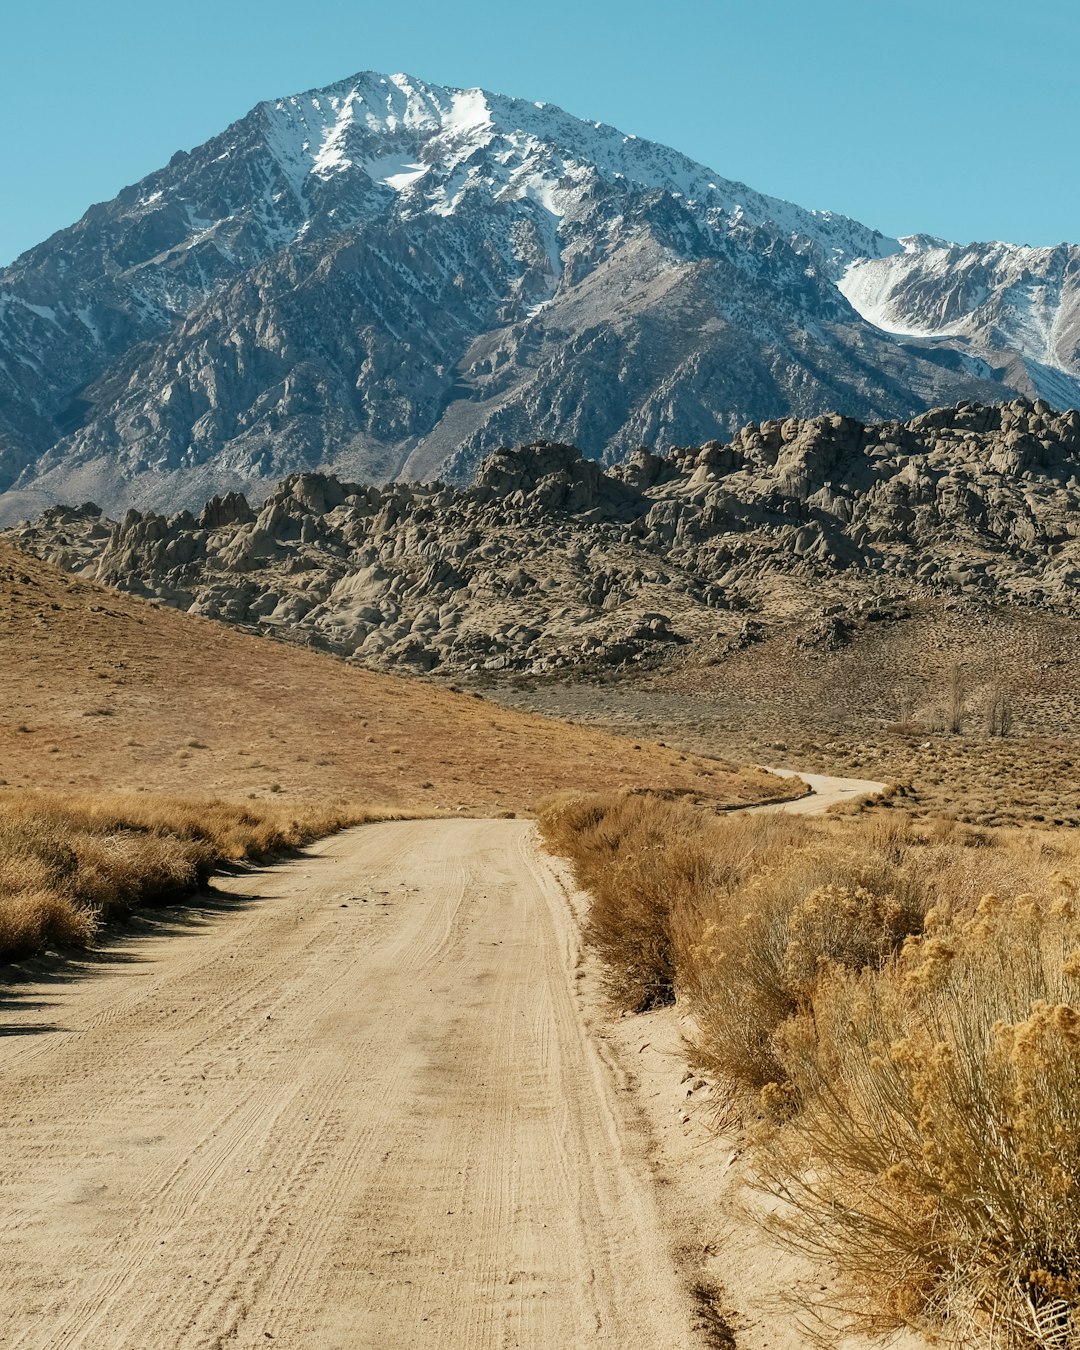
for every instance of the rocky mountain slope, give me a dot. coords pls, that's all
(549, 562)
(390, 278)
(1017, 309)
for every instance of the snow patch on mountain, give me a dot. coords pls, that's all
(871, 287)
(941, 291)
(469, 111)
(395, 172)
(332, 156)
(329, 132)
(1001, 301)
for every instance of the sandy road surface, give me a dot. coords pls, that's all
(312, 1121)
(825, 791)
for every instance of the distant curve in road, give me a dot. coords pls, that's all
(825, 791)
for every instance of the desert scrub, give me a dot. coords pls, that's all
(936, 1154)
(734, 912)
(905, 1045)
(68, 863)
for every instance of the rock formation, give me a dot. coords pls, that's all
(548, 562)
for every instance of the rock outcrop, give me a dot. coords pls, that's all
(549, 562)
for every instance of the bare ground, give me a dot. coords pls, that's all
(362, 1107)
(761, 1295)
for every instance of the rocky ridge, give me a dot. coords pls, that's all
(550, 562)
(1016, 308)
(392, 278)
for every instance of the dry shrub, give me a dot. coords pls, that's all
(30, 920)
(640, 857)
(786, 900)
(67, 863)
(916, 1046)
(937, 1152)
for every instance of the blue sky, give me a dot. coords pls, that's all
(953, 117)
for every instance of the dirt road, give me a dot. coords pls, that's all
(825, 791)
(361, 1110)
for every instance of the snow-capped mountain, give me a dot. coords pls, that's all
(388, 277)
(1017, 308)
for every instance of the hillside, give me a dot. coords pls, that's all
(388, 277)
(102, 691)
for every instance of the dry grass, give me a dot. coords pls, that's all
(639, 857)
(198, 709)
(909, 1043)
(67, 864)
(879, 709)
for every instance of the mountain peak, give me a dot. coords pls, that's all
(390, 276)
(438, 142)
(922, 243)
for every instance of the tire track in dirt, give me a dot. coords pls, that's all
(362, 1110)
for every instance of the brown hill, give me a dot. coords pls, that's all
(100, 690)
(974, 709)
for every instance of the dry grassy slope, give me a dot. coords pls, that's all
(99, 690)
(843, 711)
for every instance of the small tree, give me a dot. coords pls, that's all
(1000, 712)
(955, 700)
(906, 706)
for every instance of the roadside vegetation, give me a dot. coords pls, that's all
(894, 1007)
(68, 863)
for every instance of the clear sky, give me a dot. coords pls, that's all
(951, 117)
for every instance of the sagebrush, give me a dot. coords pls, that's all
(896, 1005)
